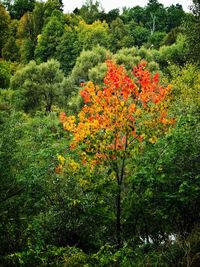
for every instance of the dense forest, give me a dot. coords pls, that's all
(99, 135)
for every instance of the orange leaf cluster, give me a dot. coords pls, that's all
(120, 113)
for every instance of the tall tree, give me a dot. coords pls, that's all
(117, 119)
(155, 16)
(38, 15)
(28, 37)
(4, 26)
(192, 30)
(10, 49)
(68, 50)
(50, 38)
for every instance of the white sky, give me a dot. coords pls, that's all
(70, 5)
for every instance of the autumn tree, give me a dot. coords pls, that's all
(117, 120)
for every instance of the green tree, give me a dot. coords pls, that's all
(10, 50)
(137, 14)
(175, 16)
(49, 39)
(38, 15)
(27, 48)
(51, 6)
(156, 16)
(94, 34)
(41, 85)
(18, 8)
(68, 50)
(86, 61)
(90, 11)
(97, 73)
(72, 20)
(26, 164)
(43, 210)
(13, 27)
(4, 26)
(129, 57)
(84, 68)
(192, 31)
(119, 35)
(26, 27)
(140, 35)
(27, 37)
(177, 53)
(4, 75)
(29, 28)
(113, 14)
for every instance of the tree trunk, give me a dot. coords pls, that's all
(118, 215)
